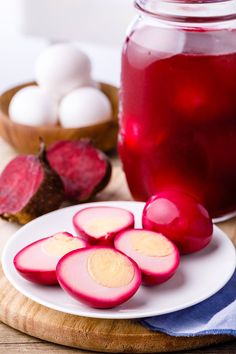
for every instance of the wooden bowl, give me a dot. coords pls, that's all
(25, 139)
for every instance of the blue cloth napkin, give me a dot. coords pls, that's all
(217, 315)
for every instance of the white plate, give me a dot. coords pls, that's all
(200, 275)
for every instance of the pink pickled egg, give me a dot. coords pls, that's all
(181, 218)
(157, 257)
(37, 262)
(99, 225)
(100, 277)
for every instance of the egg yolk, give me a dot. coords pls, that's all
(110, 269)
(59, 245)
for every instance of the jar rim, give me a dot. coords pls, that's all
(194, 11)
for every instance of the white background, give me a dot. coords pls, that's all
(26, 28)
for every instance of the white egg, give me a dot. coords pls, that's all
(62, 68)
(33, 106)
(83, 107)
(94, 84)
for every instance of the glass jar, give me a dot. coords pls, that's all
(178, 101)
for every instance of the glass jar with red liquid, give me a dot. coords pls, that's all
(178, 102)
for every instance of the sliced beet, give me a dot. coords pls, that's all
(99, 225)
(157, 257)
(100, 277)
(29, 188)
(37, 262)
(83, 169)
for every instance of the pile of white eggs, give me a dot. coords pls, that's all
(66, 93)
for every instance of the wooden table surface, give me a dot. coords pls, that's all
(12, 341)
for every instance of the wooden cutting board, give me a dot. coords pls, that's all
(94, 334)
(85, 333)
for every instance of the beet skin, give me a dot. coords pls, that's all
(83, 169)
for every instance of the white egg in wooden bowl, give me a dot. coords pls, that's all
(33, 106)
(84, 107)
(61, 68)
(25, 137)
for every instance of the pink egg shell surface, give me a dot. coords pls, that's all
(155, 269)
(99, 225)
(74, 277)
(181, 218)
(37, 262)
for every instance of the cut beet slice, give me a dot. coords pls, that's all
(83, 169)
(100, 277)
(29, 188)
(99, 225)
(157, 257)
(37, 262)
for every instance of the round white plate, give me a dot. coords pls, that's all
(200, 275)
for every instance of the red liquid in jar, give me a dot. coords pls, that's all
(178, 124)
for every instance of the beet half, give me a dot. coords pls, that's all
(83, 169)
(100, 277)
(99, 225)
(29, 188)
(37, 262)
